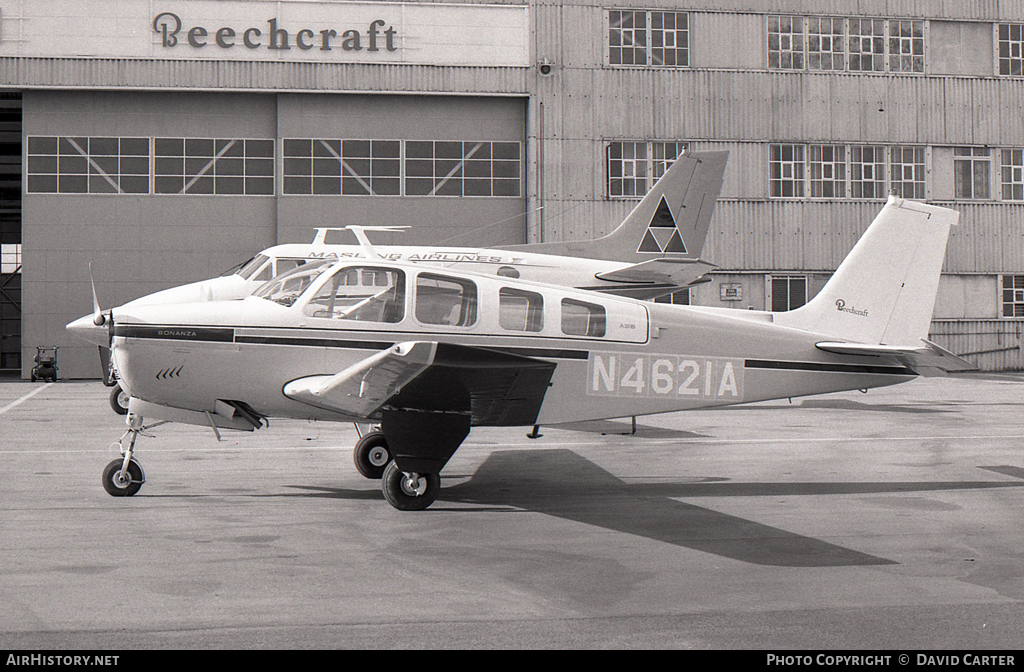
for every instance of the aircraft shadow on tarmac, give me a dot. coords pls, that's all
(562, 484)
(848, 405)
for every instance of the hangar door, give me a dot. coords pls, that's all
(10, 233)
(451, 169)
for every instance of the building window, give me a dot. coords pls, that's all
(627, 37)
(828, 171)
(213, 166)
(10, 258)
(971, 167)
(670, 39)
(825, 49)
(867, 172)
(1013, 296)
(349, 167)
(1012, 174)
(906, 171)
(627, 169)
(838, 44)
(648, 38)
(867, 45)
(679, 297)
(788, 292)
(1011, 49)
(634, 166)
(434, 168)
(785, 42)
(786, 171)
(88, 165)
(906, 46)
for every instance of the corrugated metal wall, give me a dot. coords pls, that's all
(728, 99)
(991, 345)
(259, 76)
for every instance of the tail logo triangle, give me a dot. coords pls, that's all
(662, 235)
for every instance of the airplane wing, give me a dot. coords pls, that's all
(678, 272)
(928, 359)
(492, 387)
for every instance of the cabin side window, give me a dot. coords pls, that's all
(580, 318)
(519, 310)
(363, 294)
(445, 301)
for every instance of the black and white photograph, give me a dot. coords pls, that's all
(512, 325)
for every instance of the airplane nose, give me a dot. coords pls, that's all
(86, 329)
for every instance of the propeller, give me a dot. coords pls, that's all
(97, 313)
(98, 318)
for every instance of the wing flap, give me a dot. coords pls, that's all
(923, 359)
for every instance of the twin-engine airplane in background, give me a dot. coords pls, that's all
(430, 353)
(654, 251)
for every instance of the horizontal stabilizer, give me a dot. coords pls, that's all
(364, 387)
(924, 359)
(677, 272)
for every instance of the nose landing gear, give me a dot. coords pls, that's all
(124, 476)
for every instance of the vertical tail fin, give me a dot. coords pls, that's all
(884, 291)
(671, 220)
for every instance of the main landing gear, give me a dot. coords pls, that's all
(371, 454)
(406, 491)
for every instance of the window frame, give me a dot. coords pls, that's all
(83, 169)
(1012, 297)
(801, 50)
(653, 165)
(615, 31)
(218, 167)
(777, 177)
(774, 279)
(1013, 46)
(979, 178)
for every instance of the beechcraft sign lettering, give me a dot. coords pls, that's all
(619, 374)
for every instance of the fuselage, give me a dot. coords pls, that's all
(614, 357)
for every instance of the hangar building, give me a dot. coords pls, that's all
(165, 141)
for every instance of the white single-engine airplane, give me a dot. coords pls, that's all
(429, 353)
(654, 251)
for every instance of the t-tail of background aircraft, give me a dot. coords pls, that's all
(653, 252)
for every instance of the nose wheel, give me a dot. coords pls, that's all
(124, 476)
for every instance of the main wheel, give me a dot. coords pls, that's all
(371, 455)
(115, 486)
(118, 400)
(409, 492)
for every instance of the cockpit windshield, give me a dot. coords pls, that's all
(287, 287)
